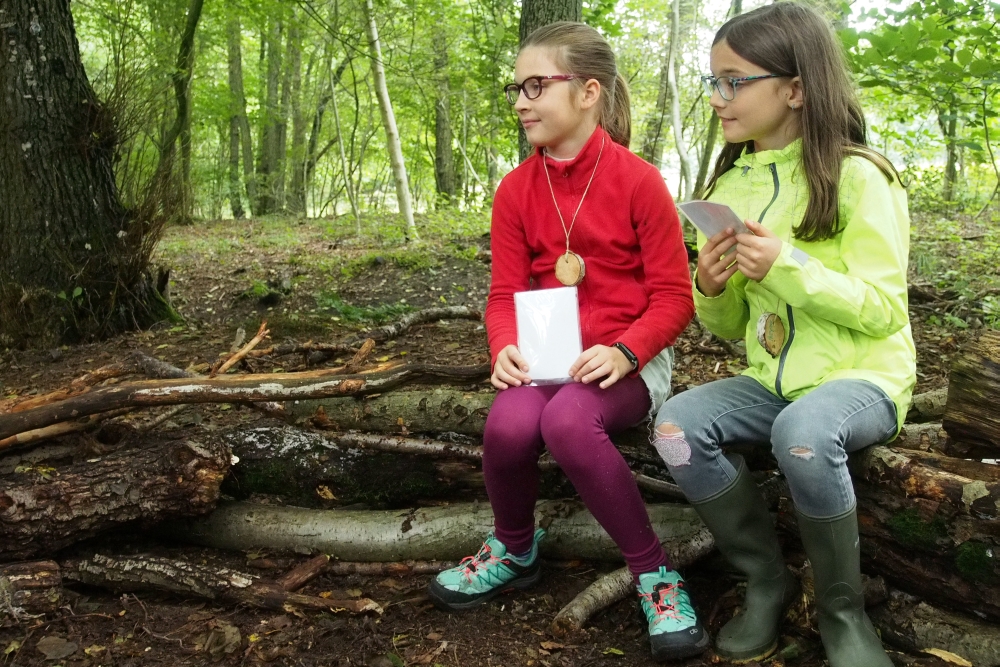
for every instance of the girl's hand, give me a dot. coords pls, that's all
(713, 269)
(510, 369)
(600, 361)
(755, 253)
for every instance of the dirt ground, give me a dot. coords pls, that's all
(312, 281)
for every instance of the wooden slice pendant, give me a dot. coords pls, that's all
(771, 333)
(570, 269)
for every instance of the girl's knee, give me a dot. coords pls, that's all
(671, 443)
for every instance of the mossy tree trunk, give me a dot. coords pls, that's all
(72, 258)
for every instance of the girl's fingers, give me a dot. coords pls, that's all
(610, 380)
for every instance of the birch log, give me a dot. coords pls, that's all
(430, 533)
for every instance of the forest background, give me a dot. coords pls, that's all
(362, 113)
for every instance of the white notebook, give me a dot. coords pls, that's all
(548, 332)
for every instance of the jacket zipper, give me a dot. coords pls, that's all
(788, 308)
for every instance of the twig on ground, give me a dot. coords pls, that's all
(244, 351)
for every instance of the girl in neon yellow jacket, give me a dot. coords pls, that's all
(818, 290)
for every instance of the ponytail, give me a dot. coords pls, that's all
(616, 116)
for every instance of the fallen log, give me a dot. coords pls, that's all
(929, 525)
(30, 589)
(927, 406)
(129, 574)
(617, 585)
(429, 533)
(926, 437)
(262, 387)
(915, 626)
(47, 506)
(438, 410)
(971, 416)
(322, 469)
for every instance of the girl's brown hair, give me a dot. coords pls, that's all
(580, 50)
(793, 40)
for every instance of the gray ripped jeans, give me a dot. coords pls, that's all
(811, 437)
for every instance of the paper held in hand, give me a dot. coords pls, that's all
(548, 333)
(711, 218)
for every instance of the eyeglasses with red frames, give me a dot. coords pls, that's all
(532, 86)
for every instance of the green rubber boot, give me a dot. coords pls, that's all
(744, 533)
(833, 549)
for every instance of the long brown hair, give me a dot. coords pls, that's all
(793, 40)
(579, 49)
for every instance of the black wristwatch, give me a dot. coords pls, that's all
(629, 354)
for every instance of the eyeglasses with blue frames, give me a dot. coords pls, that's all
(726, 85)
(532, 86)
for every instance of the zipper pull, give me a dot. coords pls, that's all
(746, 168)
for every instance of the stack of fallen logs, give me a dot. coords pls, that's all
(928, 502)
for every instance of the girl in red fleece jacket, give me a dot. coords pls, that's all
(581, 210)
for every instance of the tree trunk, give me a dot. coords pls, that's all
(238, 104)
(293, 64)
(535, 14)
(430, 533)
(971, 417)
(267, 163)
(352, 194)
(444, 156)
(673, 68)
(652, 142)
(44, 508)
(28, 589)
(297, 199)
(393, 144)
(949, 128)
(71, 259)
(181, 128)
(235, 199)
(705, 163)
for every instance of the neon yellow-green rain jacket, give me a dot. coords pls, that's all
(842, 301)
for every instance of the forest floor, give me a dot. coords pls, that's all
(314, 280)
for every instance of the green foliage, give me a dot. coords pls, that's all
(381, 314)
(413, 260)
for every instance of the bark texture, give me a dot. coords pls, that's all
(144, 573)
(44, 508)
(971, 416)
(929, 525)
(912, 625)
(253, 388)
(28, 589)
(68, 265)
(429, 533)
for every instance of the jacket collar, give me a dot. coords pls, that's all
(583, 164)
(790, 153)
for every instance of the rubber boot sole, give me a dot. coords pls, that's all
(439, 594)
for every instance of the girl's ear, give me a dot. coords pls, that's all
(796, 97)
(590, 94)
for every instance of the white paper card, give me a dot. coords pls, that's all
(711, 218)
(548, 332)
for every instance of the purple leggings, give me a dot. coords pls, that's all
(573, 421)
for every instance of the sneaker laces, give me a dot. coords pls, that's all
(663, 601)
(470, 564)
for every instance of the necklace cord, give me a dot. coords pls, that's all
(572, 222)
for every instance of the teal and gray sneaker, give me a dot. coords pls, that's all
(486, 575)
(674, 630)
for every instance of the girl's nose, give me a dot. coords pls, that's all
(522, 102)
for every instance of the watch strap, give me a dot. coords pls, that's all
(629, 354)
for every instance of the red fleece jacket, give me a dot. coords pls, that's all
(637, 289)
